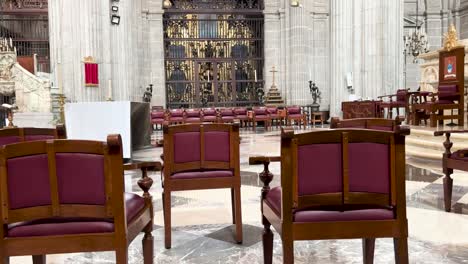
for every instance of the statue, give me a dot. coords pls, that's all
(148, 94)
(451, 39)
(315, 92)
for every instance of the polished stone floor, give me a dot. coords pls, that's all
(202, 232)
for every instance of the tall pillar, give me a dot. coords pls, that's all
(83, 28)
(367, 44)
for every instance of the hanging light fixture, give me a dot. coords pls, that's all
(416, 42)
(167, 4)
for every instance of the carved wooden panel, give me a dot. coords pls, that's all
(359, 109)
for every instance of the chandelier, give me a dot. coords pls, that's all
(416, 41)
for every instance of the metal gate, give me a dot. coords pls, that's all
(214, 53)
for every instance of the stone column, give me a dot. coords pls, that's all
(83, 28)
(272, 38)
(156, 50)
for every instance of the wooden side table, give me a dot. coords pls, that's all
(313, 118)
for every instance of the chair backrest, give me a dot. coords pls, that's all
(293, 110)
(201, 147)
(273, 110)
(402, 96)
(343, 169)
(16, 135)
(176, 112)
(209, 112)
(227, 112)
(448, 93)
(193, 113)
(366, 123)
(158, 114)
(61, 178)
(260, 111)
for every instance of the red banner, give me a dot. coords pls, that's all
(91, 74)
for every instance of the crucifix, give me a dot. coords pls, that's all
(273, 70)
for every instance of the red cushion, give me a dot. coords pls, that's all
(68, 226)
(273, 200)
(262, 117)
(202, 174)
(459, 155)
(295, 116)
(209, 118)
(193, 120)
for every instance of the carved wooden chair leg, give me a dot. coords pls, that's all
(368, 246)
(167, 218)
(288, 251)
(448, 187)
(148, 245)
(401, 250)
(39, 259)
(238, 215)
(267, 239)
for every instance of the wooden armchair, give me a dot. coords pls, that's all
(457, 160)
(275, 115)
(241, 115)
(176, 116)
(366, 123)
(16, 135)
(200, 157)
(226, 115)
(402, 97)
(337, 184)
(260, 114)
(295, 114)
(193, 116)
(158, 117)
(210, 115)
(66, 196)
(449, 97)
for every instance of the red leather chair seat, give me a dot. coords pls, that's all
(177, 119)
(227, 118)
(209, 118)
(69, 226)
(273, 200)
(193, 120)
(202, 174)
(242, 117)
(262, 118)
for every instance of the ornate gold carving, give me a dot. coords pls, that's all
(451, 39)
(89, 59)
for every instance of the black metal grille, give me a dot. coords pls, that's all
(30, 36)
(211, 59)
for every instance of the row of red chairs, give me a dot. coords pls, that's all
(268, 115)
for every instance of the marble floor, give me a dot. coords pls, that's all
(202, 232)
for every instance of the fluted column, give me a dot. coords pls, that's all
(367, 41)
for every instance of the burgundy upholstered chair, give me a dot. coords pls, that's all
(158, 117)
(176, 116)
(227, 115)
(67, 196)
(457, 160)
(402, 101)
(198, 157)
(448, 97)
(210, 115)
(261, 114)
(337, 184)
(193, 116)
(275, 116)
(16, 135)
(366, 123)
(241, 115)
(294, 114)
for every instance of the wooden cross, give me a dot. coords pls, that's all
(274, 71)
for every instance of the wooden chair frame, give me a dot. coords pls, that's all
(22, 132)
(367, 230)
(114, 208)
(170, 167)
(391, 107)
(367, 123)
(449, 164)
(302, 120)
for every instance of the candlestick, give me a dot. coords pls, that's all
(11, 42)
(255, 72)
(208, 76)
(59, 77)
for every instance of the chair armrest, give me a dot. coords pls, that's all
(265, 176)
(145, 182)
(455, 131)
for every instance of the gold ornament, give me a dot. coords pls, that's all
(167, 4)
(451, 39)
